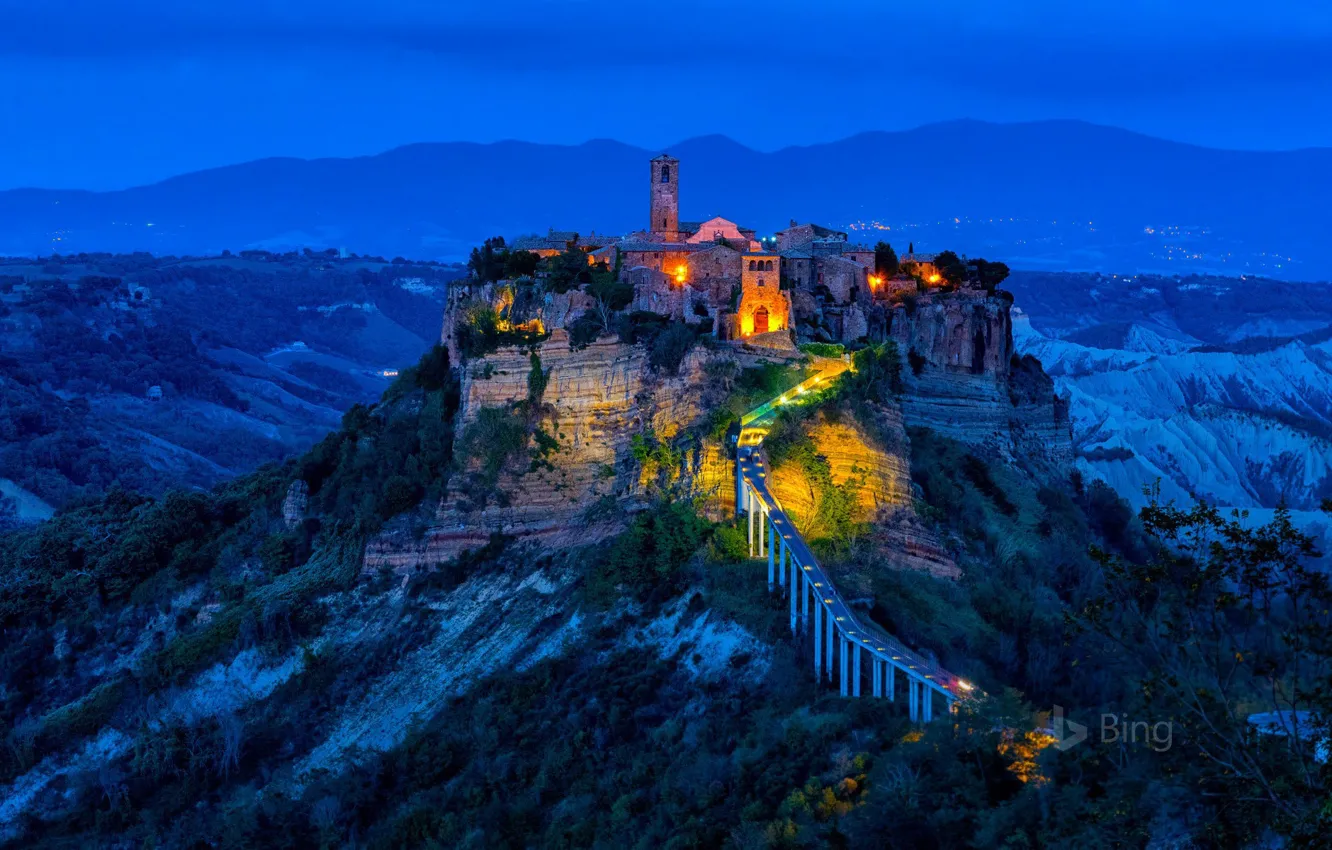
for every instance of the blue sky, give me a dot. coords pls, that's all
(110, 93)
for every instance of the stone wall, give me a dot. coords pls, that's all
(846, 281)
(719, 261)
(658, 257)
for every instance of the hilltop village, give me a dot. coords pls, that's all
(612, 362)
(806, 283)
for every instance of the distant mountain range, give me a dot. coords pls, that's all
(1078, 195)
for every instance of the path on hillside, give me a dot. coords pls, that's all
(839, 634)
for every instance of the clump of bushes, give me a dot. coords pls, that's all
(651, 557)
(823, 349)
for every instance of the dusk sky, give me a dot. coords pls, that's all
(105, 94)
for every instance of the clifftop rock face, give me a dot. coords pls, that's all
(595, 401)
(878, 469)
(963, 380)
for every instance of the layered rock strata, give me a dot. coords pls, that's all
(962, 379)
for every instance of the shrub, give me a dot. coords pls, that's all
(651, 555)
(670, 348)
(823, 349)
(917, 362)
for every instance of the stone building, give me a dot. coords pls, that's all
(664, 218)
(764, 307)
(717, 269)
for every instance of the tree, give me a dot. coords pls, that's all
(989, 275)
(885, 260)
(487, 262)
(520, 264)
(1225, 624)
(569, 268)
(610, 295)
(951, 268)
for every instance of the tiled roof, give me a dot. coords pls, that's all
(820, 231)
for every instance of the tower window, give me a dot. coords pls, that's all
(760, 281)
(665, 174)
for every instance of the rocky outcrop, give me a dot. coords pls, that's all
(963, 380)
(295, 504)
(595, 401)
(877, 466)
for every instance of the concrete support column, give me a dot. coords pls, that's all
(740, 489)
(828, 643)
(842, 647)
(890, 680)
(781, 561)
(797, 588)
(762, 526)
(772, 548)
(749, 502)
(911, 699)
(805, 591)
(876, 678)
(818, 644)
(855, 671)
(927, 698)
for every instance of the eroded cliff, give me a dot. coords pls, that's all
(578, 473)
(961, 378)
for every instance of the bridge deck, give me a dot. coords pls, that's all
(753, 471)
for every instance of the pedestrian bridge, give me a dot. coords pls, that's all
(844, 642)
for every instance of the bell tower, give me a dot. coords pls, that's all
(664, 223)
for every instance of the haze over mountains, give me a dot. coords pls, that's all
(1054, 195)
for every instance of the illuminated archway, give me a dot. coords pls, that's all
(761, 320)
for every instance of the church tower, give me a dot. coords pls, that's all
(664, 223)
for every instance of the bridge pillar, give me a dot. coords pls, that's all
(740, 492)
(855, 672)
(927, 696)
(772, 548)
(890, 680)
(762, 526)
(749, 504)
(912, 710)
(876, 678)
(828, 643)
(805, 590)
(781, 560)
(842, 648)
(795, 589)
(818, 644)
